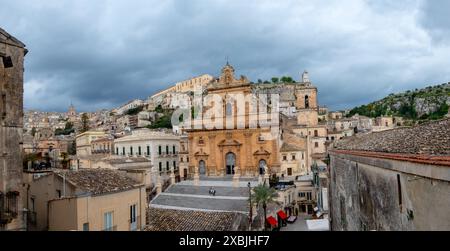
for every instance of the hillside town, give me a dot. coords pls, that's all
(217, 152)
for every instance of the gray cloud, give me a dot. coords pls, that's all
(99, 54)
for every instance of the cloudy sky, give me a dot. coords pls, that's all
(100, 54)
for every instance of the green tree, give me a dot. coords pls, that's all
(287, 79)
(68, 126)
(33, 131)
(72, 148)
(29, 157)
(68, 129)
(275, 80)
(260, 81)
(162, 122)
(84, 123)
(134, 111)
(159, 109)
(262, 196)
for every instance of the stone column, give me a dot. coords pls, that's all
(212, 154)
(248, 152)
(222, 168)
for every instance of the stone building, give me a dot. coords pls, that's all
(397, 179)
(130, 105)
(85, 200)
(72, 114)
(240, 149)
(308, 126)
(184, 157)
(12, 53)
(168, 98)
(103, 146)
(293, 156)
(159, 147)
(231, 149)
(194, 83)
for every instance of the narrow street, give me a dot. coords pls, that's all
(298, 225)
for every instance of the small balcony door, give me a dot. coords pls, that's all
(133, 218)
(108, 221)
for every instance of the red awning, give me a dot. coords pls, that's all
(282, 215)
(272, 221)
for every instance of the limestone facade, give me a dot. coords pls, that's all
(233, 150)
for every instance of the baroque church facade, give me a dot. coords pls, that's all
(243, 149)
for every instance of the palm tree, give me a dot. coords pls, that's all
(262, 196)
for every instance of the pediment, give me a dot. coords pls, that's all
(229, 142)
(200, 153)
(261, 152)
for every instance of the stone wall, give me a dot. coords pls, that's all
(372, 194)
(11, 124)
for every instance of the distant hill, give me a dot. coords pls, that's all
(429, 103)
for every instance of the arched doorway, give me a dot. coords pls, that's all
(230, 160)
(262, 164)
(202, 167)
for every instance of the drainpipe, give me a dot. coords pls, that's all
(140, 208)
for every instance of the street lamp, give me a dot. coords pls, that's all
(250, 201)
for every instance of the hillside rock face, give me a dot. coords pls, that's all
(415, 104)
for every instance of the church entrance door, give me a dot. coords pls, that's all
(262, 165)
(202, 167)
(230, 162)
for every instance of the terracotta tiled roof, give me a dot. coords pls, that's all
(187, 220)
(98, 181)
(431, 139)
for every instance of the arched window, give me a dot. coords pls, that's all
(229, 109)
(306, 101)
